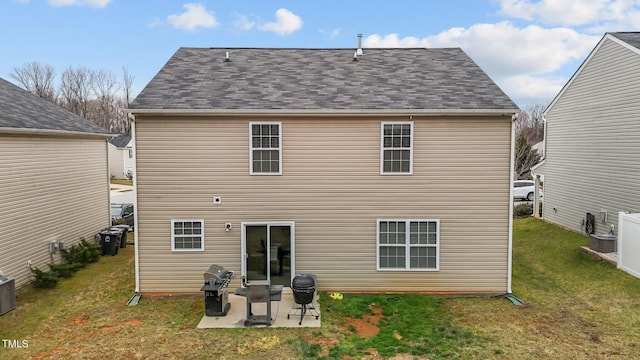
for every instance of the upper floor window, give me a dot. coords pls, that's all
(397, 148)
(265, 148)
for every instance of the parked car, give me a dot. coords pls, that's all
(122, 214)
(523, 189)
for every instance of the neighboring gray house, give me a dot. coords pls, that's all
(55, 181)
(592, 141)
(386, 172)
(121, 162)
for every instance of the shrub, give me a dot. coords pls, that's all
(82, 253)
(64, 270)
(523, 210)
(44, 279)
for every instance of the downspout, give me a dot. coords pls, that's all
(511, 169)
(536, 178)
(106, 145)
(135, 204)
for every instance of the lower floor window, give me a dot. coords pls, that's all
(187, 234)
(408, 244)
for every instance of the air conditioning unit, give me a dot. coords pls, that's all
(7, 294)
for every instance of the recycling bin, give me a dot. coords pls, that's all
(125, 232)
(110, 241)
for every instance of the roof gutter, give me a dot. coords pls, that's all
(29, 131)
(323, 112)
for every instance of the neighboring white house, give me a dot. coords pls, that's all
(55, 181)
(121, 161)
(592, 157)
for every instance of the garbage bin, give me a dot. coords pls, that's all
(110, 241)
(125, 232)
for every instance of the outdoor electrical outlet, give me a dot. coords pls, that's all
(29, 263)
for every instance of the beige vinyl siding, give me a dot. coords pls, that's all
(53, 188)
(332, 189)
(593, 137)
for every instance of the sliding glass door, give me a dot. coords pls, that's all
(268, 251)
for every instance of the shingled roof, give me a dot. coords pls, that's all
(120, 141)
(321, 80)
(22, 110)
(631, 38)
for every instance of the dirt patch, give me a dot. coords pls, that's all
(367, 326)
(128, 322)
(79, 320)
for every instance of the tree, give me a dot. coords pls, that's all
(75, 90)
(95, 95)
(37, 79)
(531, 123)
(525, 156)
(529, 128)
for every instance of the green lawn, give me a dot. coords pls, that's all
(576, 307)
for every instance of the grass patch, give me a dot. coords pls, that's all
(122, 182)
(576, 307)
(411, 324)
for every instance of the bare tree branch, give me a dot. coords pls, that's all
(37, 79)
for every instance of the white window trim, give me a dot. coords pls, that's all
(382, 148)
(251, 123)
(407, 245)
(173, 237)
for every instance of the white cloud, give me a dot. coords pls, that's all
(286, 23)
(607, 14)
(532, 89)
(91, 3)
(242, 23)
(194, 17)
(332, 33)
(523, 61)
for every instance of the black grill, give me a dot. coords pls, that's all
(216, 294)
(303, 287)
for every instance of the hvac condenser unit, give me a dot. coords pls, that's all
(7, 294)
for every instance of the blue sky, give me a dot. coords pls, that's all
(530, 48)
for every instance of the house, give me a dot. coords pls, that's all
(55, 181)
(592, 139)
(380, 170)
(121, 163)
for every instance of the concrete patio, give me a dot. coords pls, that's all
(279, 310)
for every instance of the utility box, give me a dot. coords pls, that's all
(7, 294)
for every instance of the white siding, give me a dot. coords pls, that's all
(53, 188)
(332, 189)
(593, 142)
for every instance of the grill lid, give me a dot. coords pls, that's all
(217, 273)
(303, 281)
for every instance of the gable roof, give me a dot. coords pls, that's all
(317, 80)
(22, 111)
(630, 40)
(120, 141)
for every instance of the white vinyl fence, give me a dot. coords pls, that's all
(629, 243)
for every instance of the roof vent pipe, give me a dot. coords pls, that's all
(359, 51)
(226, 58)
